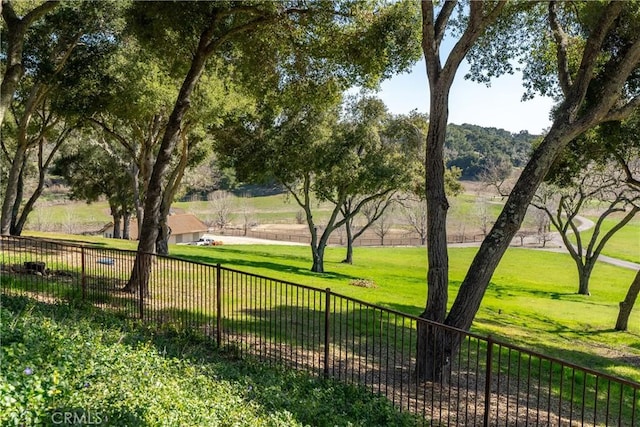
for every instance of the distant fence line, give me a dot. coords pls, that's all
(368, 239)
(487, 382)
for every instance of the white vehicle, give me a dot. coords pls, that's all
(204, 241)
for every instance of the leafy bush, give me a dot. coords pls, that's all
(63, 361)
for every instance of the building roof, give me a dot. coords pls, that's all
(179, 224)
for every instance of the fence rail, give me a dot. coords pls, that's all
(484, 382)
(393, 238)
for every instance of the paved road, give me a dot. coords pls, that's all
(238, 240)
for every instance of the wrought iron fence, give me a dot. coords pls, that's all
(484, 382)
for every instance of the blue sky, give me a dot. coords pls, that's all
(498, 106)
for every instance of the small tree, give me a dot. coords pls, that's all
(247, 214)
(92, 173)
(415, 213)
(562, 203)
(221, 204)
(382, 226)
(482, 214)
(497, 173)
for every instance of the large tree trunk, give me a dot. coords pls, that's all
(137, 198)
(15, 211)
(117, 224)
(148, 233)
(627, 305)
(349, 256)
(18, 227)
(126, 225)
(431, 342)
(584, 275)
(440, 81)
(164, 232)
(318, 257)
(583, 283)
(11, 191)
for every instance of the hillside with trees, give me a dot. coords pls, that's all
(475, 149)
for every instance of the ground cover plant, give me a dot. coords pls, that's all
(61, 359)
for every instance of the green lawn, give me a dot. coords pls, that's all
(264, 209)
(73, 213)
(531, 301)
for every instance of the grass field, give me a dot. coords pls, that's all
(531, 301)
(273, 209)
(71, 214)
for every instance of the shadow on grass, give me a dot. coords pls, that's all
(275, 267)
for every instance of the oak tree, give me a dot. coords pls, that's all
(593, 50)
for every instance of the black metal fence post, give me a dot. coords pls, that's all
(141, 280)
(218, 305)
(83, 276)
(327, 315)
(488, 379)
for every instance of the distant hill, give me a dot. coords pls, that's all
(472, 148)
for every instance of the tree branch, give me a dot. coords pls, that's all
(114, 135)
(593, 47)
(477, 25)
(628, 217)
(623, 112)
(38, 11)
(630, 179)
(562, 41)
(442, 20)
